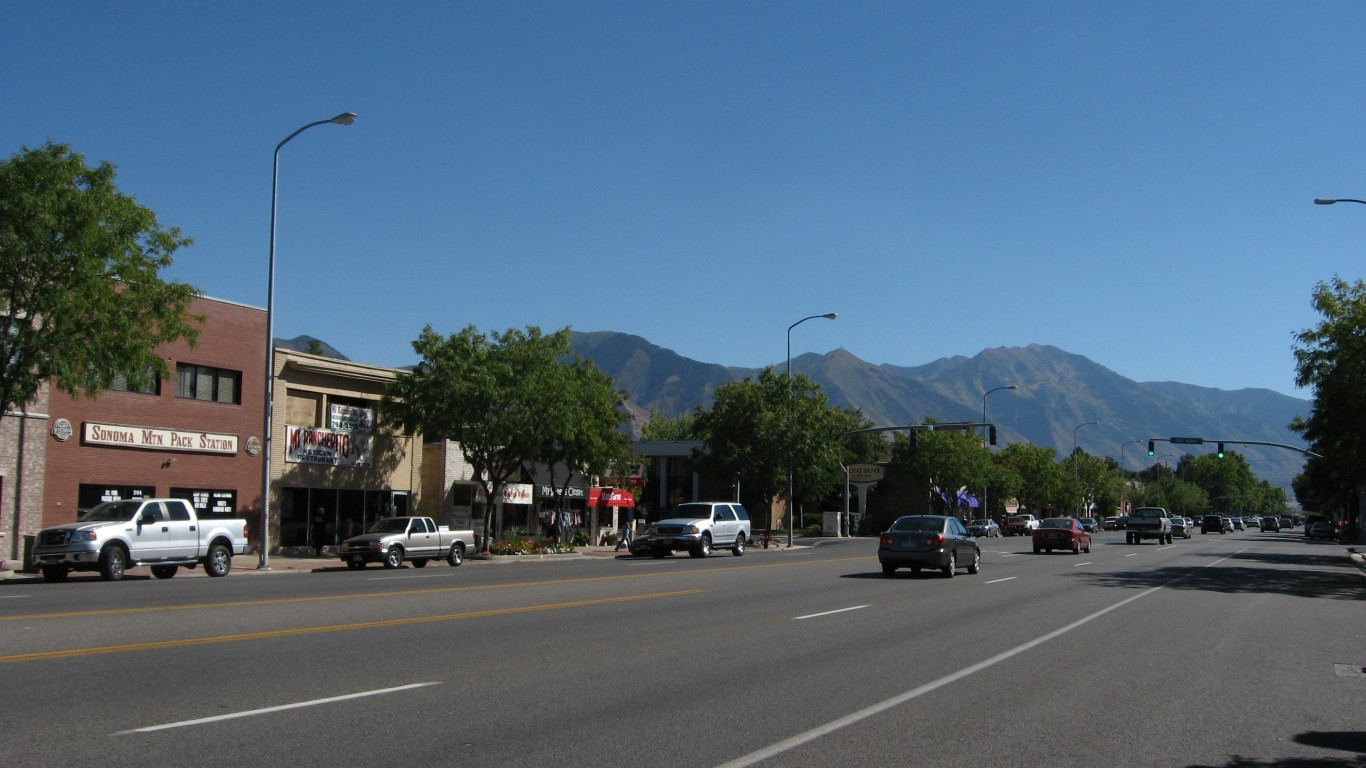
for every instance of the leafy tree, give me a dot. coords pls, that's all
(80, 285)
(948, 460)
(1331, 358)
(506, 398)
(1042, 480)
(660, 427)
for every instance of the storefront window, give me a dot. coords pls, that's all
(208, 503)
(90, 495)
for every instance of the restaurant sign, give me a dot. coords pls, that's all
(313, 445)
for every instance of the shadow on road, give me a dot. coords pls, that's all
(1299, 575)
(1346, 741)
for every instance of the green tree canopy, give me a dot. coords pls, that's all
(1331, 358)
(509, 397)
(80, 285)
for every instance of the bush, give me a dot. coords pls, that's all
(812, 531)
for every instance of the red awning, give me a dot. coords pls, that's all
(610, 497)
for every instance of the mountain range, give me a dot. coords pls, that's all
(1058, 393)
(1057, 397)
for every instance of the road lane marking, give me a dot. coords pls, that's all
(269, 710)
(412, 592)
(998, 581)
(791, 743)
(1132, 554)
(828, 613)
(301, 631)
(1078, 565)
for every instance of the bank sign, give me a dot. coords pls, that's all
(313, 445)
(156, 439)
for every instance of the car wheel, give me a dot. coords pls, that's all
(456, 555)
(1088, 547)
(419, 562)
(355, 565)
(952, 567)
(1076, 547)
(703, 548)
(393, 558)
(164, 571)
(113, 561)
(1037, 550)
(975, 566)
(739, 548)
(55, 572)
(888, 570)
(219, 560)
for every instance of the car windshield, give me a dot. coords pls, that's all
(982, 523)
(1056, 522)
(692, 512)
(111, 512)
(1147, 512)
(928, 524)
(391, 525)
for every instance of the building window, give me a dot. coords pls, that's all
(198, 382)
(208, 502)
(89, 495)
(153, 387)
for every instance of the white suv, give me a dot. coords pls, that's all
(699, 526)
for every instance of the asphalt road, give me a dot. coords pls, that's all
(1240, 650)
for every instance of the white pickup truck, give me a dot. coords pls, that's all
(116, 535)
(416, 539)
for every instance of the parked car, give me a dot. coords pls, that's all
(1271, 523)
(1181, 527)
(1216, 524)
(1089, 524)
(928, 541)
(1061, 533)
(697, 527)
(1321, 531)
(984, 528)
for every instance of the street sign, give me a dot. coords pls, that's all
(1188, 440)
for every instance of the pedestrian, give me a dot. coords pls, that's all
(319, 531)
(625, 540)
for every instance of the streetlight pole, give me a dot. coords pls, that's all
(1076, 464)
(986, 513)
(345, 118)
(1124, 481)
(1331, 200)
(791, 398)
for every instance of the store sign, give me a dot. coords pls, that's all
(152, 438)
(554, 492)
(313, 445)
(351, 418)
(865, 473)
(513, 493)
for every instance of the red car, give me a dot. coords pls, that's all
(1061, 533)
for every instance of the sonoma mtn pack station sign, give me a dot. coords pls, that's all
(157, 439)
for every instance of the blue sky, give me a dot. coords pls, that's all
(1130, 182)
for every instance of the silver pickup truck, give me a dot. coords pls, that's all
(416, 539)
(162, 533)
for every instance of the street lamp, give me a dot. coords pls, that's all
(985, 512)
(1124, 481)
(791, 397)
(345, 118)
(1331, 200)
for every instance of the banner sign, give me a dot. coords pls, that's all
(155, 439)
(313, 445)
(350, 418)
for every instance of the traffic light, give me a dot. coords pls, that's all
(1152, 451)
(1220, 453)
(991, 434)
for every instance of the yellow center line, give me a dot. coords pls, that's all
(409, 592)
(185, 643)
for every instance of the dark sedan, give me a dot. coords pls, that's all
(928, 541)
(1061, 533)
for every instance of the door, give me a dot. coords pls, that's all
(150, 533)
(182, 531)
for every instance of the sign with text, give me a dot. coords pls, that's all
(866, 473)
(1187, 440)
(157, 439)
(313, 445)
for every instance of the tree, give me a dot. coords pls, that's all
(506, 398)
(1042, 480)
(659, 427)
(80, 285)
(949, 461)
(1331, 358)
